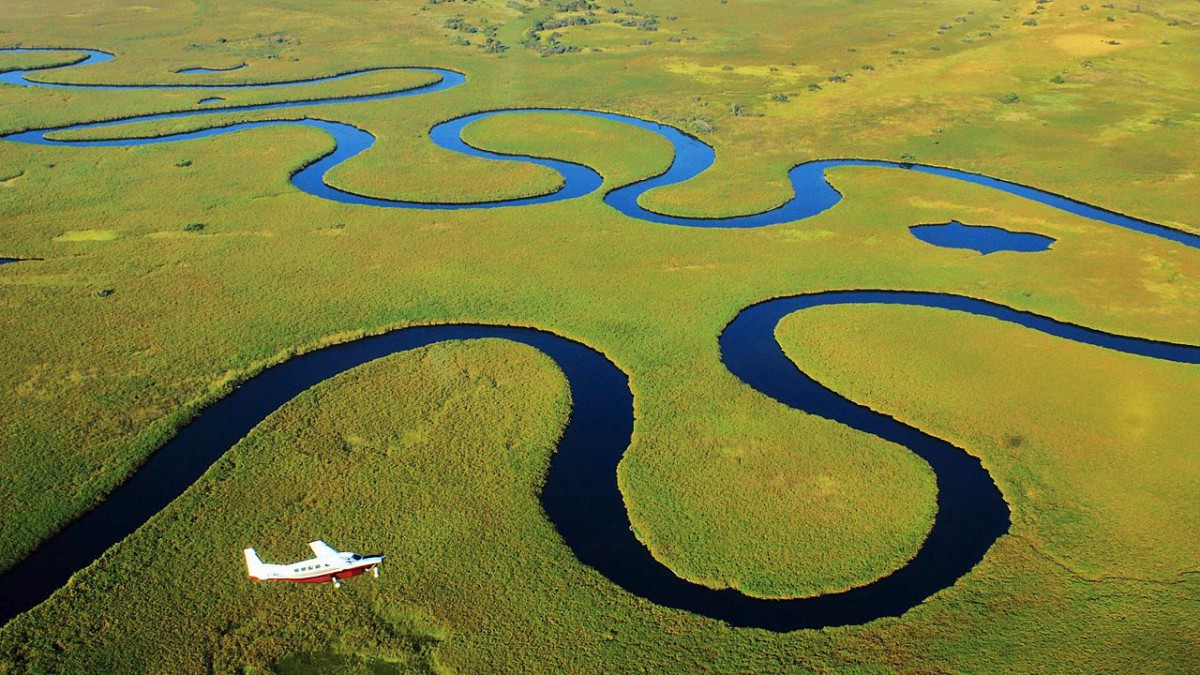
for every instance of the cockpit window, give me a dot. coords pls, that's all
(356, 557)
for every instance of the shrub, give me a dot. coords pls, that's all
(699, 125)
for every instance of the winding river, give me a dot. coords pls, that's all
(581, 496)
(812, 193)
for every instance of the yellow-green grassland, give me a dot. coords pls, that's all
(160, 276)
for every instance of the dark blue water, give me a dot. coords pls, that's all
(581, 495)
(581, 492)
(983, 238)
(5, 261)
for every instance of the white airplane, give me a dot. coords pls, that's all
(329, 565)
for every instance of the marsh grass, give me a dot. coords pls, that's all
(1085, 468)
(724, 486)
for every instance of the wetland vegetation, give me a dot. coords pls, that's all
(156, 278)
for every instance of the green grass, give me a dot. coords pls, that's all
(725, 486)
(1065, 458)
(620, 153)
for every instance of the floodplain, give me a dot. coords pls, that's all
(151, 279)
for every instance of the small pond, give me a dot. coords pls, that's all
(983, 238)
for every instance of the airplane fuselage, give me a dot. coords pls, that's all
(317, 570)
(330, 565)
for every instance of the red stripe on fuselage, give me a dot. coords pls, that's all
(325, 578)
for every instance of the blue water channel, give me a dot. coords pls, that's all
(812, 193)
(581, 496)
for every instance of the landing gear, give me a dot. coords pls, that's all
(375, 571)
(336, 583)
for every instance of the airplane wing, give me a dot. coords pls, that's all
(322, 550)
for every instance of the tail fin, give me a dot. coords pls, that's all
(254, 565)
